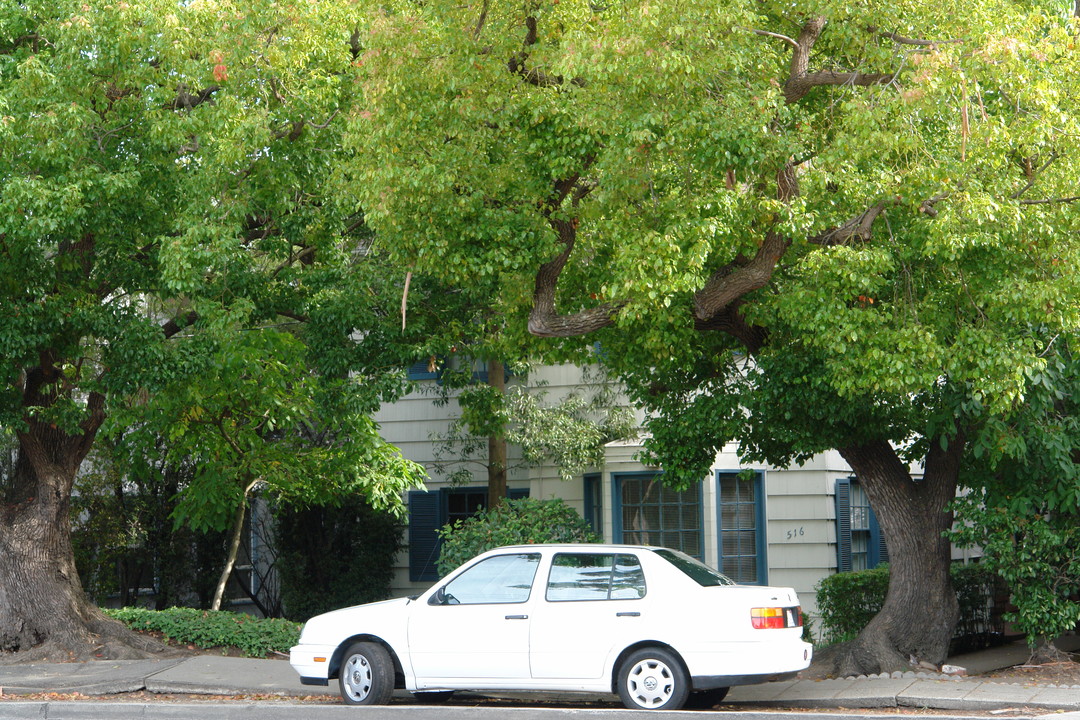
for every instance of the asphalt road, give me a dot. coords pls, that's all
(68, 710)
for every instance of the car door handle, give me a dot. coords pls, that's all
(517, 617)
(628, 614)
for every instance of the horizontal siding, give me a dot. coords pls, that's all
(800, 527)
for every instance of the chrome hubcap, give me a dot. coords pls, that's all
(650, 683)
(357, 677)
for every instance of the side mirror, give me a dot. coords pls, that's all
(439, 598)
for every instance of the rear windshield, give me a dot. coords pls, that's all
(698, 571)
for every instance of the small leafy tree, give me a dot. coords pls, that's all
(569, 432)
(514, 522)
(1024, 504)
(1038, 556)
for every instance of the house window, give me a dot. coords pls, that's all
(594, 505)
(428, 369)
(647, 512)
(434, 367)
(429, 511)
(860, 544)
(741, 527)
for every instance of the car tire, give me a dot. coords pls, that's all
(652, 679)
(706, 699)
(433, 697)
(367, 675)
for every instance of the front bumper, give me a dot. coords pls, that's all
(312, 663)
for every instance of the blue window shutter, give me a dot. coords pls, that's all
(425, 511)
(878, 547)
(843, 525)
(591, 484)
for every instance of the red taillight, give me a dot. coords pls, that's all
(776, 617)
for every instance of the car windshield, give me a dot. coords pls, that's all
(698, 571)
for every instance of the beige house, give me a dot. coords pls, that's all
(756, 523)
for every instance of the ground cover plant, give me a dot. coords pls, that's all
(208, 629)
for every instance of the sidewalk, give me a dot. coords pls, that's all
(212, 675)
(925, 690)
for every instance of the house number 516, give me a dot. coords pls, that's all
(795, 533)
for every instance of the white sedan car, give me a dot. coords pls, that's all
(653, 625)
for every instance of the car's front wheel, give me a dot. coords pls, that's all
(652, 679)
(367, 674)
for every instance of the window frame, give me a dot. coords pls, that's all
(761, 538)
(617, 480)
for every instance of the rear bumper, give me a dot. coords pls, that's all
(708, 682)
(746, 663)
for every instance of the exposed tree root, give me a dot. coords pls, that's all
(104, 639)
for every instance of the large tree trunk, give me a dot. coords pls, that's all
(921, 609)
(44, 613)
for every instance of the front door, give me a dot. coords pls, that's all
(477, 625)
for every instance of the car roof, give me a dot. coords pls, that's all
(574, 546)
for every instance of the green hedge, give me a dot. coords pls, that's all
(252, 636)
(847, 601)
(513, 522)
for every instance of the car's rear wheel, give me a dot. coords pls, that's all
(367, 674)
(652, 679)
(705, 699)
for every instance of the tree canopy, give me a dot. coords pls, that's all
(162, 190)
(831, 225)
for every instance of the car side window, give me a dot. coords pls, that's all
(589, 576)
(499, 579)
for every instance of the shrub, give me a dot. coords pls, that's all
(514, 522)
(331, 557)
(847, 601)
(252, 636)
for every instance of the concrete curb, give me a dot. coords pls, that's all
(107, 677)
(288, 711)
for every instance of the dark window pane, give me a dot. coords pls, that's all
(579, 577)
(627, 581)
(701, 573)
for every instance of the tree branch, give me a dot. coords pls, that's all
(481, 20)
(796, 88)
(535, 77)
(928, 206)
(857, 229)
(544, 321)
(1050, 201)
(735, 280)
(918, 42)
(766, 33)
(31, 38)
(186, 101)
(800, 81)
(730, 320)
(172, 327)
